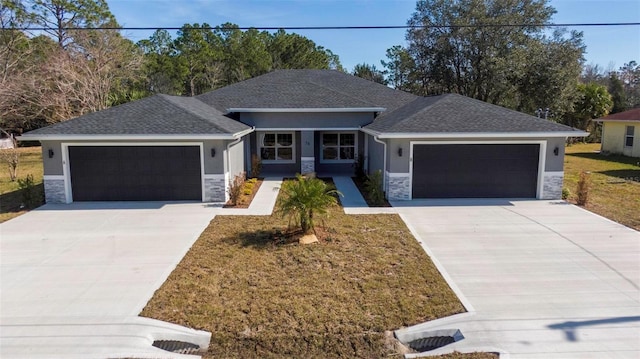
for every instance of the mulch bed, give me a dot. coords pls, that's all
(245, 200)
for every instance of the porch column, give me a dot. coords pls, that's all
(307, 152)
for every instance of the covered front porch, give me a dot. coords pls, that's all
(328, 152)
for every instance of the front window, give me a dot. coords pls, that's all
(628, 138)
(277, 147)
(338, 147)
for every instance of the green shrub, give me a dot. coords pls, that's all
(566, 193)
(582, 192)
(373, 187)
(304, 198)
(27, 190)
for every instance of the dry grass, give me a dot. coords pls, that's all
(10, 196)
(327, 300)
(615, 183)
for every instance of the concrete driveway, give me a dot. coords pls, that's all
(540, 279)
(75, 277)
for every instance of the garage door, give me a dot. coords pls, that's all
(135, 173)
(475, 171)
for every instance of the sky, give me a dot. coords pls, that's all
(608, 47)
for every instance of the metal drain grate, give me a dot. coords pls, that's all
(430, 343)
(176, 346)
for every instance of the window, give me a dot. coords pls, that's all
(277, 147)
(628, 138)
(338, 147)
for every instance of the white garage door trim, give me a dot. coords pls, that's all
(541, 156)
(66, 170)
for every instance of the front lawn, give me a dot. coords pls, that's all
(615, 182)
(11, 198)
(331, 299)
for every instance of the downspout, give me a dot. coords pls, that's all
(384, 164)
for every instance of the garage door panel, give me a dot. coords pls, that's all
(135, 173)
(475, 170)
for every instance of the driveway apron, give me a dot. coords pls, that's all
(87, 263)
(541, 279)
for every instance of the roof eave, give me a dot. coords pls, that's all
(615, 120)
(63, 137)
(451, 135)
(308, 109)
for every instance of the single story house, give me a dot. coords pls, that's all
(621, 133)
(298, 121)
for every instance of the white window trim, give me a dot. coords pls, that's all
(627, 136)
(355, 146)
(277, 161)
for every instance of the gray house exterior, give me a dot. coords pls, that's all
(299, 121)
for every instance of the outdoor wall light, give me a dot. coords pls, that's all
(556, 150)
(213, 152)
(400, 152)
(50, 153)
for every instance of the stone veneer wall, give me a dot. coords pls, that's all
(54, 191)
(215, 188)
(307, 164)
(398, 186)
(552, 185)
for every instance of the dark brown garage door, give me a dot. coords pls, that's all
(135, 173)
(475, 171)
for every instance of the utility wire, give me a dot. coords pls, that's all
(384, 27)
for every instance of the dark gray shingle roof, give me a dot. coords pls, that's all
(155, 115)
(453, 113)
(306, 89)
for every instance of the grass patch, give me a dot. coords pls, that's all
(263, 298)
(615, 182)
(10, 194)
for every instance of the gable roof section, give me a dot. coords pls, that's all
(632, 115)
(306, 89)
(159, 115)
(451, 114)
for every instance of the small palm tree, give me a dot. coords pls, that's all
(305, 198)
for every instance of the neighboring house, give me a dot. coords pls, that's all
(297, 121)
(621, 133)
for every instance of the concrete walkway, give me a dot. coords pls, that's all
(351, 199)
(540, 279)
(263, 202)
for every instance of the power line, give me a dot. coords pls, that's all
(383, 27)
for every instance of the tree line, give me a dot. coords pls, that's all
(69, 70)
(525, 67)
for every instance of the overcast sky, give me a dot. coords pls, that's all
(606, 46)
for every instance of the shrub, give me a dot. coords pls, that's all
(304, 198)
(566, 193)
(373, 186)
(235, 188)
(27, 190)
(256, 165)
(582, 191)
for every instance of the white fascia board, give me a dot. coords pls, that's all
(243, 133)
(614, 120)
(276, 129)
(453, 135)
(369, 132)
(129, 137)
(348, 109)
